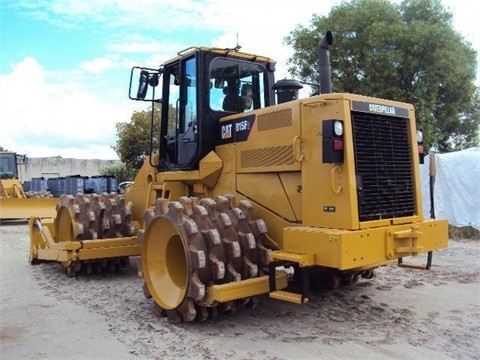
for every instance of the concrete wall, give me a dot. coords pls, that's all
(49, 167)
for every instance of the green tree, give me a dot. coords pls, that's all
(407, 52)
(121, 172)
(133, 141)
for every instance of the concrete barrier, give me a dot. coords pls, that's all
(49, 167)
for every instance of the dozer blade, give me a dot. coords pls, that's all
(24, 208)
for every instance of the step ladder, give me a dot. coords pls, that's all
(291, 257)
(155, 191)
(418, 267)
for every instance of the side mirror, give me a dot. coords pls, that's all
(142, 85)
(147, 78)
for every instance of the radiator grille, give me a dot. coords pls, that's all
(383, 167)
(274, 120)
(273, 156)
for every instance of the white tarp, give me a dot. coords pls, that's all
(457, 187)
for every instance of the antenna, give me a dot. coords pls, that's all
(238, 47)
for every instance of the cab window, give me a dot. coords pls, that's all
(236, 86)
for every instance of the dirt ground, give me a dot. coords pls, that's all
(399, 314)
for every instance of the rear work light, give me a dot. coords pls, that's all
(332, 143)
(420, 148)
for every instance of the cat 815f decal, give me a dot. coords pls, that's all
(236, 130)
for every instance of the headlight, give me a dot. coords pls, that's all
(338, 128)
(419, 136)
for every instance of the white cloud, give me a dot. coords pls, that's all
(44, 118)
(261, 27)
(98, 65)
(136, 44)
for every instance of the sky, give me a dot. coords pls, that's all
(65, 64)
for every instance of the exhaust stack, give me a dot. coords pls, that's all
(324, 63)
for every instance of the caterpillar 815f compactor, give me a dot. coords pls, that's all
(14, 202)
(242, 188)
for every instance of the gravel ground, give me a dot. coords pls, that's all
(399, 314)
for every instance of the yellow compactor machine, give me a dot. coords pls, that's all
(242, 186)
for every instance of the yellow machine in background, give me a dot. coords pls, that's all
(14, 202)
(242, 188)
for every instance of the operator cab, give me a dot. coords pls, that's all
(8, 165)
(198, 87)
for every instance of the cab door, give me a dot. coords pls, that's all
(179, 128)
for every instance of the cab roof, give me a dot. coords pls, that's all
(192, 49)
